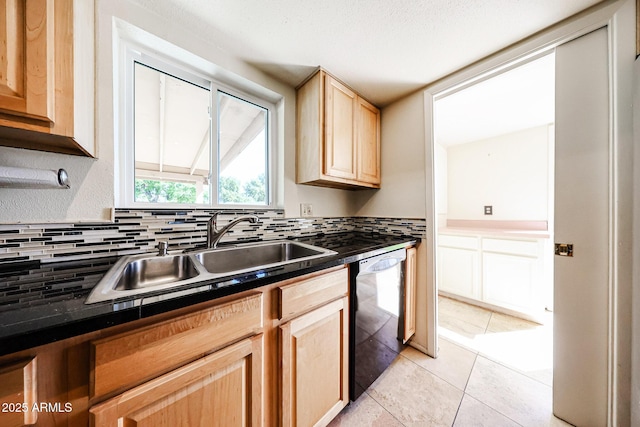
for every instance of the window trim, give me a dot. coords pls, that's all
(130, 53)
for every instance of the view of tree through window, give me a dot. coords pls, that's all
(242, 129)
(151, 191)
(173, 144)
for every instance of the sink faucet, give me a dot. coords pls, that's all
(214, 235)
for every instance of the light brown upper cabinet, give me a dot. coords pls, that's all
(338, 135)
(47, 75)
(368, 143)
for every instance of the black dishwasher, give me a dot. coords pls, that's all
(376, 312)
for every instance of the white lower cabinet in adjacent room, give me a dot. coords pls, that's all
(459, 266)
(459, 272)
(504, 272)
(510, 281)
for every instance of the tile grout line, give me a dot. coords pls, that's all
(466, 384)
(452, 385)
(433, 373)
(383, 407)
(458, 410)
(488, 323)
(502, 365)
(480, 401)
(464, 391)
(495, 410)
(488, 357)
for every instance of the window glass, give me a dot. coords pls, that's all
(190, 140)
(172, 138)
(242, 148)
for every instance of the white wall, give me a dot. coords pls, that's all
(402, 193)
(88, 199)
(509, 172)
(92, 194)
(440, 162)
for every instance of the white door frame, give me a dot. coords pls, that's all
(619, 18)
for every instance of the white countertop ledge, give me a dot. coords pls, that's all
(513, 229)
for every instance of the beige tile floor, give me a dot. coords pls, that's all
(493, 370)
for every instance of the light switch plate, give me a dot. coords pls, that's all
(488, 210)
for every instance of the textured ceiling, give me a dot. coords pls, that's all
(521, 98)
(384, 49)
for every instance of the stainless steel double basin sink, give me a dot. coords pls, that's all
(137, 275)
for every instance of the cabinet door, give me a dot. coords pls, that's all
(458, 271)
(410, 284)
(512, 274)
(368, 147)
(221, 389)
(18, 394)
(26, 68)
(511, 281)
(47, 76)
(315, 385)
(340, 146)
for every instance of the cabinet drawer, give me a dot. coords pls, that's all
(529, 248)
(302, 296)
(460, 242)
(221, 389)
(128, 359)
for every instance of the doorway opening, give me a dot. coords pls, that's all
(494, 192)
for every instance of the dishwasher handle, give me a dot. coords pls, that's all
(382, 262)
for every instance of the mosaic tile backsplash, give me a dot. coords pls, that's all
(48, 283)
(138, 231)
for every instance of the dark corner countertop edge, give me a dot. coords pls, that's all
(66, 319)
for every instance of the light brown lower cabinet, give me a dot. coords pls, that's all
(164, 346)
(221, 389)
(275, 355)
(18, 393)
(410, 284)
(315, 346)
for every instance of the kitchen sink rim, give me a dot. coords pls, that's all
(106, 289)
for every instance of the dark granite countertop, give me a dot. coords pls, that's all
(43, 303)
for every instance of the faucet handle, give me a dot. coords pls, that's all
(213, 220)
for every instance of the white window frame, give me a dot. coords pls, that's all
(130, 53)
